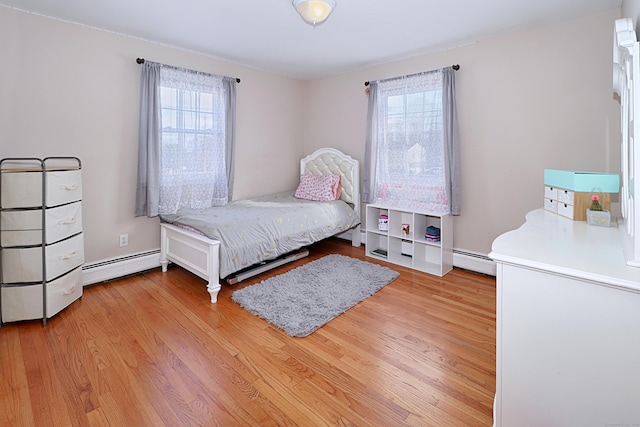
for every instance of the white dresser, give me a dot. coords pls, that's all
(567, 326)
(41, 240)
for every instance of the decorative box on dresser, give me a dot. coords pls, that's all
(409, 248)
(567, 326)
(41, 240)
(568, 193)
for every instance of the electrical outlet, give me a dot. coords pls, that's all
(124, 240)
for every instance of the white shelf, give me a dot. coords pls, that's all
(410, 250)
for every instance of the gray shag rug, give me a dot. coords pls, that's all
(305, 298)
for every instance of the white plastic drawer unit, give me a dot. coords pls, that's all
(23, 189)
(565, 196)
(551, 205)
(25, 302)
(22, 228)
(550, 193)
(41, 239)
(25, 264)
(565, 209)
(559, 201)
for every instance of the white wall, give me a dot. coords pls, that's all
(69, 90)
(526, 101)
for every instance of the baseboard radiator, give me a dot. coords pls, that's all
(112, 268)
(473, 261)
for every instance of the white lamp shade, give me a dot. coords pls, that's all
(314, 11)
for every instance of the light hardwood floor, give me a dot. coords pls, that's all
(151, 350)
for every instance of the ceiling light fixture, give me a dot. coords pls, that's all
(314, 12)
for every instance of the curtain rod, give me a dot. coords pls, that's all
(141, 61)
(455, 67)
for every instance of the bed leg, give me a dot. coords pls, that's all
(213, 288)
(355, 237)
(164, 262)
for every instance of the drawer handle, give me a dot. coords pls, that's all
(70, 290)
(67, 221)
(69, 187)
(71, 255)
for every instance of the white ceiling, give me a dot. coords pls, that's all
(271, 36)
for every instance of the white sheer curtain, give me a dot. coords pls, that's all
(192, 167)
(411, 147)
(186, 140)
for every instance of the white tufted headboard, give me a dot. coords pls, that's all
(331, 161)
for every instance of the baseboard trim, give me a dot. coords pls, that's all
(113, 268)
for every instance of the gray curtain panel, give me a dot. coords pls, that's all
(148, 188)
(451, 145)
(371, 146)
(230, 132)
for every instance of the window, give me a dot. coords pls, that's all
(192, 147)
(407, 161)
(186, 140)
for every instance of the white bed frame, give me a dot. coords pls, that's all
(201, 255)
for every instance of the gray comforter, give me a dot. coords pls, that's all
(263, 228)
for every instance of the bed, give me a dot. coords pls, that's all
(211, 244)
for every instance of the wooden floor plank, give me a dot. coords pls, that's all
(151, 350)
(14, 387)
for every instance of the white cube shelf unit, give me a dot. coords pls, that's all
(412, 249)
